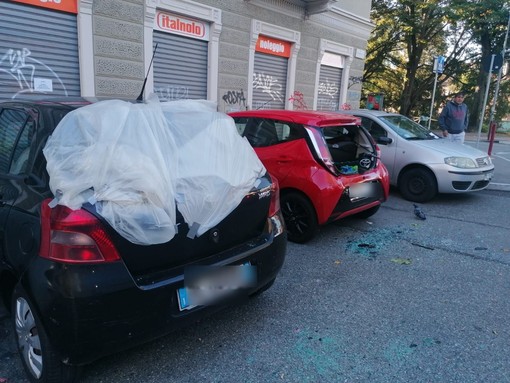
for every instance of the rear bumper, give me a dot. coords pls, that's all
(331, 196)
(93, 311)
(352, 201)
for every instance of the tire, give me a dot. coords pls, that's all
(299, 216)
(38, 356)
(367, 213)
(418, 185)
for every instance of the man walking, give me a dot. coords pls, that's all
(454, 119)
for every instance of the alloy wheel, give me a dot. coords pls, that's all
(28, 337)
(299, 216)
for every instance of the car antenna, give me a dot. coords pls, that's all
(140, 97)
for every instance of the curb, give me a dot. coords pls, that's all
(504, 142)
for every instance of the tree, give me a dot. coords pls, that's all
(407, 36)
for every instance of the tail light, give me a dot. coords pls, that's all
(74, 236)
(274, 207)
(275, 221)
(321, 150)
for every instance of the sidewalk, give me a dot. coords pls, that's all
(500, 138)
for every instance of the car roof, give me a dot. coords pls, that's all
(305, 117)
(66, 101)
(368, 112)
(70, 102)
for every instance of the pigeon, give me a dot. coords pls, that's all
(418, 212)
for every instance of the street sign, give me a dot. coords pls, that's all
(497, 63)
(438, 64)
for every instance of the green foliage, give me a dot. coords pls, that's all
(409, 34)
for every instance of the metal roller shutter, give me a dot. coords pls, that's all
(269, 81)
(180, 67)
(329, 88)
(38, 52)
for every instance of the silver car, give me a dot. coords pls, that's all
(420, 163)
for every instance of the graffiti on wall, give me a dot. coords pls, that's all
(235, 99)
(28, 73)
(353, 80)
(328, 95)
(298, 100)
(328, 89)
(172, 92)
(269, 85)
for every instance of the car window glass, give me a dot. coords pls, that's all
(407, 128)
(22, 149)
(265, 132)
(338, 133)
(12, 140)
(58, 114)
(240, 124)
(373, 128)
(289, 132)
(258, 131)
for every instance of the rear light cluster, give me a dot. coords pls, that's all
(74, 236)
(321, 150)
(275, 220)
(274, 207)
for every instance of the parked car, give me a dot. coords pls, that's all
(327, 165)
(420, 163)
(79, 290)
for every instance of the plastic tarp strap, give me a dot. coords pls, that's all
(137, 161)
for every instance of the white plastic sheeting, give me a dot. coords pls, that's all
(137, 162)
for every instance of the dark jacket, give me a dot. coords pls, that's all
(454, 118)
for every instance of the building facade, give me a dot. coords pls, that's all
(242, 54)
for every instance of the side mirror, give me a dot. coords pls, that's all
(384, 140)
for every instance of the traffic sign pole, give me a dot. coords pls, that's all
(492, 124)
(438, 68)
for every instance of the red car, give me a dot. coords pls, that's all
(327, 165)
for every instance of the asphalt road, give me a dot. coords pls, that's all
(390, 299)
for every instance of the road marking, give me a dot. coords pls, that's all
(503, 158)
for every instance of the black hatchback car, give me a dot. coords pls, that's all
(78, 290)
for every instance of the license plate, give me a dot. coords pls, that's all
(488, 176)
(206, 285)
(359, 191)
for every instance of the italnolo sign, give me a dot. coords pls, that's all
(167, 22)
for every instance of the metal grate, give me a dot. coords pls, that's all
(180, 67)
(38, 51)
(483, 161)
(269, 81)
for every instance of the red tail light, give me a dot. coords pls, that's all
(321, 150)
(74, 236)
(274, 207)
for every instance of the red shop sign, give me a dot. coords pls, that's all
(70, 6)
(167, 22)
(273, 46)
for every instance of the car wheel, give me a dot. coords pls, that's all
(368, 213)
(418, 185)
(300, 218)
(37, 354)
